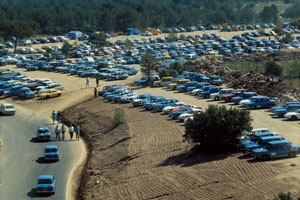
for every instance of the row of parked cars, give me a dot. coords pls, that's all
(260, 143)
(16, 84)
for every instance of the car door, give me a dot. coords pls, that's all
(282, 150)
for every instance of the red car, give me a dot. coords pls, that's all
(238, 92)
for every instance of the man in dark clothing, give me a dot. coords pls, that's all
(97, 82)
(95, 92)
(58, 116)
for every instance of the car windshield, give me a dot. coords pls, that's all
(9, 107)
(45, 181)
(268, 146)
(254, 138)
(43, 130)
(51, 150)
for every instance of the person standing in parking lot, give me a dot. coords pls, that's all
(87, 82)
(97, 81)
(53, 116)
(63, 130)
(95, 92)
(57, 132)
(58, 116)
(77, 131)
(71, 131)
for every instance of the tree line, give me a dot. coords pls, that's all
(60, 16)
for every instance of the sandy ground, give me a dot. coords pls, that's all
(150, 161)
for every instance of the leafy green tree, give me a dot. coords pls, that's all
(128, 46)
(269, 14)
(284, 196)
(16, 30)
(217, 129)
(286, 38)
(273, 69)
(98, 39)
(293, 71)
(248, 15)
(278, 30)
(147, 66)
(172, 37)
(49, 52)
(119, 116)
(66, 48)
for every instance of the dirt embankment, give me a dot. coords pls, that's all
(146, 159)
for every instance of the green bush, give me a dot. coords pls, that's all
(217, 129)
(273, 69)
(119, 117)
(284, 196)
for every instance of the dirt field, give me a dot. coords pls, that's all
(149, 160)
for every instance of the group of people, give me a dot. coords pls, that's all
(61, 130)
(87, 85)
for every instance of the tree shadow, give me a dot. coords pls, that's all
(191, 158)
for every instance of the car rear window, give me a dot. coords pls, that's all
(45, 181)
(51, 150)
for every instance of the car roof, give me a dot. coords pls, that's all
(260, 129)
(272, 137)
(264, 134)
(279, 142)
(46, 177)
(51, 147)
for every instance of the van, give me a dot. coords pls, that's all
(7, 109)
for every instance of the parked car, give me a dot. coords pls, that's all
(51, 93)
(245, 95)
(287, 109)
(43, 134)
(219, 95)
(215, 80)
(237, 93)
(46, 184)
(276, 149)
(161, 82)
(259, 102)
(51, 153)
(173, 86)
(292, 115)
(261, 142)
(284, 105)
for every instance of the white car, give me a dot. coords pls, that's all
(187, 118)
(168, 109)
(292, 115)
(195, 91)
(128, 98)
(7, 109)
(218, 96)
(244, 101)
(188, 114)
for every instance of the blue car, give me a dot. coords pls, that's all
(261, 142)
(243, 96)
(184, 88)
(276, 149)
(289, 108)
(284, 105)
(26, 93)
(254, 138)
(215, 80)
(46, 184)
(259, 102)
(138, 101)
(43, 134)
(51, 153)
(167, 102)
(209, 90)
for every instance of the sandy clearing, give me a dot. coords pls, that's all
(158, 164)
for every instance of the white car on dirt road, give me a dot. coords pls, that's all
(292, 115)
(168, 109)
(187, 114)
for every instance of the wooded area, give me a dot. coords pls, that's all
(60, 16)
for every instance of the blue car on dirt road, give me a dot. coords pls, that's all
(46, 185)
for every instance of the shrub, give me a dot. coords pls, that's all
(217, 129)
(119, 116)
(284, 196)
(273, 69)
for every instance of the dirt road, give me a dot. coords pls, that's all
(148, 160)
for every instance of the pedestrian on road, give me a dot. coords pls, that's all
(97, 81)
(95, 92)
(63, 130)
(87, 82)
(71, 131)
(53, 116)
(57, 132)
(77, 130)
(58, 116)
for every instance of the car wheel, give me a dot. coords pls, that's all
(264, 157)
(47, 96)
(292, 154)
(217, 98)
(226, 100)
(293, 118)
(252, 107)
(58, 94)
(207, 96)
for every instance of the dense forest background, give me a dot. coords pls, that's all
(60, 16)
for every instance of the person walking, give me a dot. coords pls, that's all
(57, 132)
(77, 131)
(63, 130)
(87, 82)
(53, 116)
(97, 81)
(95, 92)
(71, 131)
(58, 116)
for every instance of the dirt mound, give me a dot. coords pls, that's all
(253, 81)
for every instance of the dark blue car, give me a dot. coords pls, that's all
(243, 96)
(259, 102)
